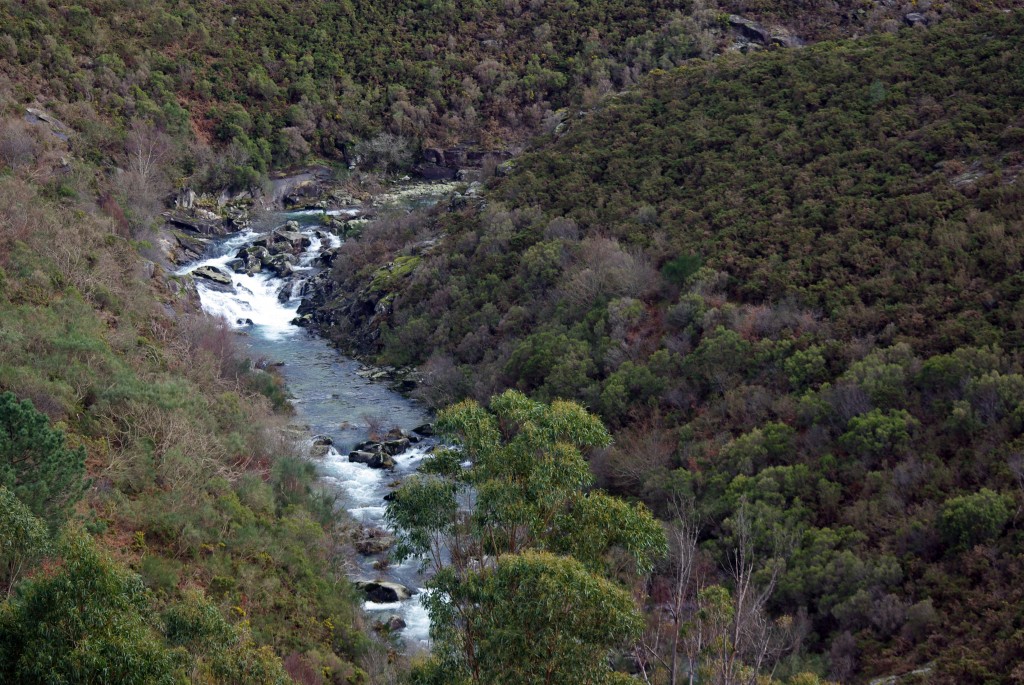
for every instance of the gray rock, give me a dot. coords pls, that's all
(186, 199)
(749, 29)
(915, 19)
(384, 591)
(361, 457)
(395, 447)
(371, 541)
(319, 451)
(237, 265)
(426, 430)
(323, 440)
(212, 273)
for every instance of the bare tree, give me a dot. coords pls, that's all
(756, 639)
(658, 650)
(148, 152)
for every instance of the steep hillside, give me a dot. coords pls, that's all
(156, 524)
(791, 281)
(268, 82)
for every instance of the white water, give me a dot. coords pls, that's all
(328, 395)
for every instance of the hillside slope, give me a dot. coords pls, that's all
(791, 281)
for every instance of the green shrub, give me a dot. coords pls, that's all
(969, 520)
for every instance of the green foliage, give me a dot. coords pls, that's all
(540, 618)
(87, 621)
(23, 539)
(506, 608)
(974, 519)
(878, 434)
(846, 358)
(35, 463)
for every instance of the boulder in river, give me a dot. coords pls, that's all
(237, 265)
(391, 624)
(370, 541)
(212, 273)
(426, 430)
(361, 457)
(323, 440)
(396, 447)
(384, 591)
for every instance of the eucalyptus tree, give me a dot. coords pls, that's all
(530, 567)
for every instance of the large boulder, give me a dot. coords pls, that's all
(395, 447)
(383, 591)
(426, 430)
(361, 457)
(212, 273)
(370, 541)
(436, 172)
(750, 30)
(203, 226)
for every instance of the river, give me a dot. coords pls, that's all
(329, 395)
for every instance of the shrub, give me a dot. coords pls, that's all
(969, 520)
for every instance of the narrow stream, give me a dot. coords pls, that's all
(329, 396)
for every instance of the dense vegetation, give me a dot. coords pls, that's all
(790, 282)
(261, 83)
(155, 525)
(520, 592)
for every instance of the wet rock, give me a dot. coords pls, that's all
(237, 265)
(292, 237)
(212, 273)
(319, 451)
(396, 447)
(370, 541)
(426, 430)
(361, 457)
(375, 460)
(244, 322)
(187, 248)
(391, 624)
(383, 591)
(323, 440)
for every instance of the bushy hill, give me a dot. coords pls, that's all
(156, 526)
(791, 281)
(268, 82)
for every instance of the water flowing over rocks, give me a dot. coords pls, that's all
(256, 279)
